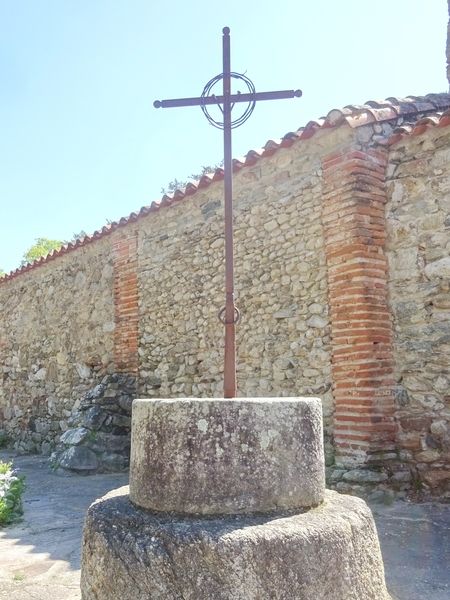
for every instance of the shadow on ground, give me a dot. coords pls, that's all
(40, 557)
(415, 542)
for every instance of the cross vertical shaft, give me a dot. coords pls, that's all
(229, 383)
(229, 314)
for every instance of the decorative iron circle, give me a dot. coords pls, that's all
(248, 110)
(237, 315)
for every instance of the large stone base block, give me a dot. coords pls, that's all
(213, 456)
(330, 552)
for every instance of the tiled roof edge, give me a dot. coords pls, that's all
(372, 111)
(438, 119)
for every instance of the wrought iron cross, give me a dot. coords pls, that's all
(229, 315)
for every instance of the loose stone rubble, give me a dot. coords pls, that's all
(99, 440)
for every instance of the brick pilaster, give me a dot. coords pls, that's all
(448, 46)
(362, 358)
(125, 301)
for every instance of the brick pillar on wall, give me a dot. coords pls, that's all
(448, 45)
(125, 301)
(361, 326)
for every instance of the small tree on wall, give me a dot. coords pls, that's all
(41, 247)
(44, 246)
(179, 184)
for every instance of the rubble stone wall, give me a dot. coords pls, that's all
(283, 339)
(315, 224)
(153, 290)
(56, 342)
(418, 250)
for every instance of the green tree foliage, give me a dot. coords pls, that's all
(41, 247)
(2, 273)
(180, 184)
(173, 186)
(79, 236)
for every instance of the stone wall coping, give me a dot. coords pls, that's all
(232, 401)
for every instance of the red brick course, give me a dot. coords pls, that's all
(126, 301)
(362, 359)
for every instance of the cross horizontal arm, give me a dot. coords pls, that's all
(233, 99)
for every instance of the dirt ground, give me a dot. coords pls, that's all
(40, 557)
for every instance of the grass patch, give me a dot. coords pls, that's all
(11, 490)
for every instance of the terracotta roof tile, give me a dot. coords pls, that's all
(437, 119)
(413, 114)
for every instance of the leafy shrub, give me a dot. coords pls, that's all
(11, 490)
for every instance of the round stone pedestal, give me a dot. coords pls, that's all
(326, 553)
(215, 456)
(227, 501)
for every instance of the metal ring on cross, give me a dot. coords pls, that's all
(207, 93)
(236, 318)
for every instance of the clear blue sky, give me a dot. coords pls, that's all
(80, 142)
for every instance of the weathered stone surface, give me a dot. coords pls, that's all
(78, 458)
(105, 431)
(417, 214)
(73, 437)
(381, 497)
(436, 477)
(94, 418)
(364, 476)
(53, 343)
(104, 442)
(113, 462)
(327, 553)
(211, 456)
(119, 420)
(438, 268)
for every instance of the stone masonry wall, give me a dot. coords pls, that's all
(283, 339)
(342, 275)
(56, 342)
(418, 250)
